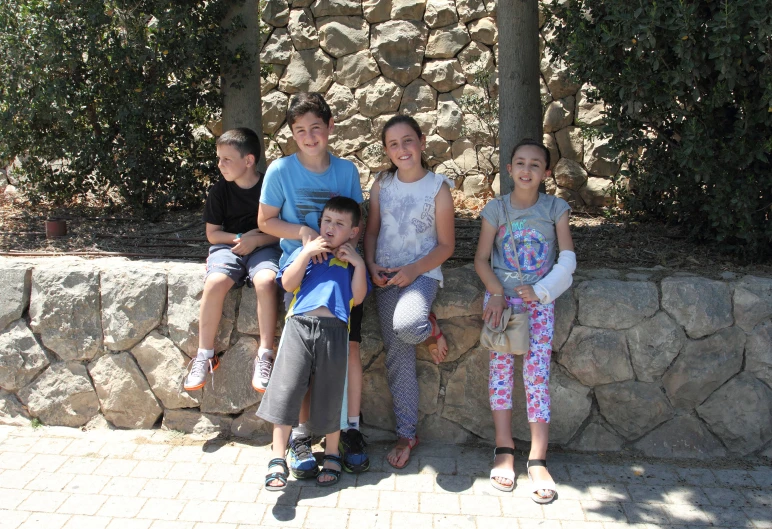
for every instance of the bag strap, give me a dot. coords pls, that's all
(514, 242)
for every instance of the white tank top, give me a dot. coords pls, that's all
(408, 222)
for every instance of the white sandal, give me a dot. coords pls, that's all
(501, 472)
(542, 484)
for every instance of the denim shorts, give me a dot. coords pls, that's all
(242, 268)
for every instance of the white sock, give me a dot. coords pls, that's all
(353, 423)
(206, 353)
(300, 431)
(263, 351)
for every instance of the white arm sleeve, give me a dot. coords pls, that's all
(559, 278)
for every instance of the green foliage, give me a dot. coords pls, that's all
(104, 97)
(687, 90)
(35, 423)
(482, 105)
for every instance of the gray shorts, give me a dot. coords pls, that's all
(310, 348)
(242, 268)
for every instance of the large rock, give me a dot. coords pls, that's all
(341, 101)
(681, 437)
(64, 310)
(351, 135)
(276, 13)
(654, 343)
(445, 43)
(434, 428)
(449, 119)
(559, 114)
(61, 396)
(21, 356)
(484, 30)
(232, 389)
(469, 10)
(165, 368)
(571, 143)
(133, 301)
(596, 356)
(376, 396)
(12, 413)
(740, 414)
(600, 159)
(475, 184)
(633, 408)
(124, 395)
(418, 96)
(440, 13)
(443, 74)
(461, 333)
(570, 174)
(552, 146)
(185, 289)
(588, 113)
(565, 313)
(278, 49)
(556, 76)
(15, 285)
(355, 69)
(407, 9)
(462, 294)
(466, 395)
(752, 301)
(372, 339)
(308, 71)
(341, 36)
(428, 387)
(598, 192)
(703, 366)
(464, 155)
(302, 30)
(398, 46)
(274, 111)
(196, 423)
(612, 304)
(249, 426)
(328, 8)
(475, 59)
(378, 96)
(285, 141)
(373, 156)
(597, 437)
(700, 305)
(758, 352)
(376, 10)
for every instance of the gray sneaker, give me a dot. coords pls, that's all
(201, 366)
(262, 374)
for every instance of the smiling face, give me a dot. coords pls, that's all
(311, 134)
(235, 167)
(404, 146)
(337, 228)
(528, 167)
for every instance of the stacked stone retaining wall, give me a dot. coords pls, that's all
(669, 365)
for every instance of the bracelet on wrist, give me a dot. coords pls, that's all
(497, 295)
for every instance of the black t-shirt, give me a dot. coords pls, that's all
(233, 208)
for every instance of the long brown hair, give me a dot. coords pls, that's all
(396, 120)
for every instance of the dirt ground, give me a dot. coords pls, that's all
(602, 240)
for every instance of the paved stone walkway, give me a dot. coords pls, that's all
(61, 477)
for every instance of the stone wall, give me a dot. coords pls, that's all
(666, 365)
(375, 58)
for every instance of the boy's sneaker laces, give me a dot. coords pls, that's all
(198, 371)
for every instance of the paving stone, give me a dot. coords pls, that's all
(461, 484)
(685, 514)
(355, 498)
(367, 519)
(645, 513)
(86, 484)
(124, 486)
(376, 481)
(122, 523)
(13, 497)
(49, 521)
(45, 463)
(415, 483)
(760, 518)
(445, 521)
(200, 490)
(697, 476)
(577, 491)
(611, 492)
(758, 498)
(398, 501)
(51, 482)
(115, 467)
(202, 511)
(734, 478)
(686, 495)
(80, 465)
(603, 511)
(762, 476)
(724, 497)
(478, 506)
(190, 471)
(162, 509)
(43, 501)
(83, 447)
(243, 492)
(152, 469)
(82, 504)
(162, 488)
(14, 460)
(119, 507)
(224, 472)
(280, 515)
(50, 446)
(436, 465)
(439, 503)
(13, 519)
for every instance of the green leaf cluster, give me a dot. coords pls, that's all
(104, 97)
(687, 92)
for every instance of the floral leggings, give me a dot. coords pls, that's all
(536, 365)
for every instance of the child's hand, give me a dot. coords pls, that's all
(348, 254)
(493, 310)
(378, 274)
(403, 275)
(309, 234)
(526, 293)
(317, 248)
(244, 245)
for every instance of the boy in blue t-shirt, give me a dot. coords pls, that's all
(326, 278)
(295, 190)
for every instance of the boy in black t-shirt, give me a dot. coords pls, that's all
(240, 253)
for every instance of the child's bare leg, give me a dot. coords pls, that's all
(216, 288)
(281, 433)
(267, 308)
(331, 448)
(305, 408)
(539, 440)
(502, 420)
(354, 380)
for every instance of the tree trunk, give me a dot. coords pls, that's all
(520, 113)
(242, 105)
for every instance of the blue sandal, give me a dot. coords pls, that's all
(281, 476)
(330, 471)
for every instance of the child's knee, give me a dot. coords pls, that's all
(411, 329)
(265, 281)
(217, 284)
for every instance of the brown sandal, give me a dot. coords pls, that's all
(403, 443)
(431, 341)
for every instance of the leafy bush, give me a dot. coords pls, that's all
(104, 97)
(687, 90)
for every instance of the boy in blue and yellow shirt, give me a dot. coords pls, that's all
(314, 343)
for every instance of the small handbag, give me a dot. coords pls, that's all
(511, 335)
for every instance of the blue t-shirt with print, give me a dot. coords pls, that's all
(301, 194)
(326, 284)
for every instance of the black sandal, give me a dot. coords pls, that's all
(330, 471)
(281, 476)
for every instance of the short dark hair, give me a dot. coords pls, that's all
(540, 145)
(341, 204)
(243, 140)
(306, 102)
